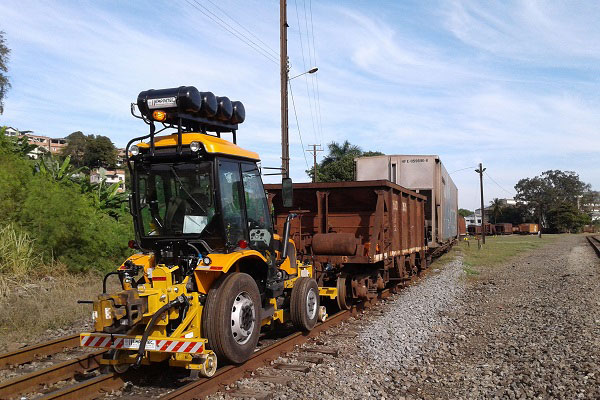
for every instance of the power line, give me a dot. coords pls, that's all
(462, 169)
(304, 68)
(216, 19)
(316, 77)
(244, 28)
(312, 59)
(492, 179)
(298, 125)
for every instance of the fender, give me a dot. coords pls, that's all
(221, 264)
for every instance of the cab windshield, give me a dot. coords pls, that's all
(176, 200)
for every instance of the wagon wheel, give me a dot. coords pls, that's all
(304, 303)
(231, 317)
(342, 296)
(118, 368)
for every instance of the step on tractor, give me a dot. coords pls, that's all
(210, 271)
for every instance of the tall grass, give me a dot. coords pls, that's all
(17, 252)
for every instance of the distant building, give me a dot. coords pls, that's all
(120, 157)
(475, 219)
(111, 175)
(44, 144)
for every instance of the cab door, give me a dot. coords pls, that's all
(257, 210)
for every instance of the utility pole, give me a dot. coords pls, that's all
(285, 146)
(480, 172)
(315, 149)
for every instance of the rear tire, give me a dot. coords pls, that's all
(231, 317)
(304, 304)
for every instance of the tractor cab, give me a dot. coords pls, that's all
(210, 271)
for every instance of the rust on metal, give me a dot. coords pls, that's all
(64, 370)
(231, 373)
(89, 389)
(29, 353)
(595, 243)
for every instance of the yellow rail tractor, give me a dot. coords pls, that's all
(210, 271)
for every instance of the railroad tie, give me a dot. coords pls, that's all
(324, 350)
(292, 367)
(311, 359)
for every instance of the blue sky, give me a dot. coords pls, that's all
(514, 85)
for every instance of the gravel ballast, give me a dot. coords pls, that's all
(529, 328)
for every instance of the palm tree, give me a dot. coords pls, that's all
(337, 151)
(496, 206)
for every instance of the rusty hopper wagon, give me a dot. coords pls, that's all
(359, 236)
(425, 175)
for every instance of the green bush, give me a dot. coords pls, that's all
(56, 221)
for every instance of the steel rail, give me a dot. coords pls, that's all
(29, 353)
(595, 243)
(231, 373)
(28, 383)
(88, 389)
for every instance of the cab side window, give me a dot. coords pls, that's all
(230, 185)
(257, 210)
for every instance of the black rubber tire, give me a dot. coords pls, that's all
(216, 317)
(298, 304)
(342, 297)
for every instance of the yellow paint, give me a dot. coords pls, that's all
(212, 144)
(330, 292)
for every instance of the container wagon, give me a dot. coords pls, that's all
(490, 229)
(504, 229)
(528, 229)
(359, 236)
(462, 226)
(425, 175)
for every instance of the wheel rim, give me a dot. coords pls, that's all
(119, 368)
(311, 304)
(243, 318)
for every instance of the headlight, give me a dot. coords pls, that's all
(206, 260)
(195, 146)
(134, 150)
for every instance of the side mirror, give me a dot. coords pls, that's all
(287, 192)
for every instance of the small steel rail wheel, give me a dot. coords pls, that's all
(209, 366)
(231, 317)
(118, 368)
(342, 294)
(304, 303)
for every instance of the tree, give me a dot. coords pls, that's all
(75, 148)
(4, 83)
(52, 168)
(99, 152)
(554, 192)
(15, 145)
(338, 165)
(496, 208)
(464, 212)
(90, 151)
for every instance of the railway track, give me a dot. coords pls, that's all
(30, 353)
(93, 385)
(595, 243)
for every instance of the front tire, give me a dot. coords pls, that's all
(304, 304)
(231, 317)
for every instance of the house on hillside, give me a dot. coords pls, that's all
(112, 176)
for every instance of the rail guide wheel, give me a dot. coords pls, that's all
(231, 317)
(209, 366)
(118, 368)
(342, 296)
(304, 303)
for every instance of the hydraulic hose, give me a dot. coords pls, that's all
(179, 300)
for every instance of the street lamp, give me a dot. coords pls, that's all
(310, 71)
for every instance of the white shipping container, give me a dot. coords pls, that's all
(427, 175)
